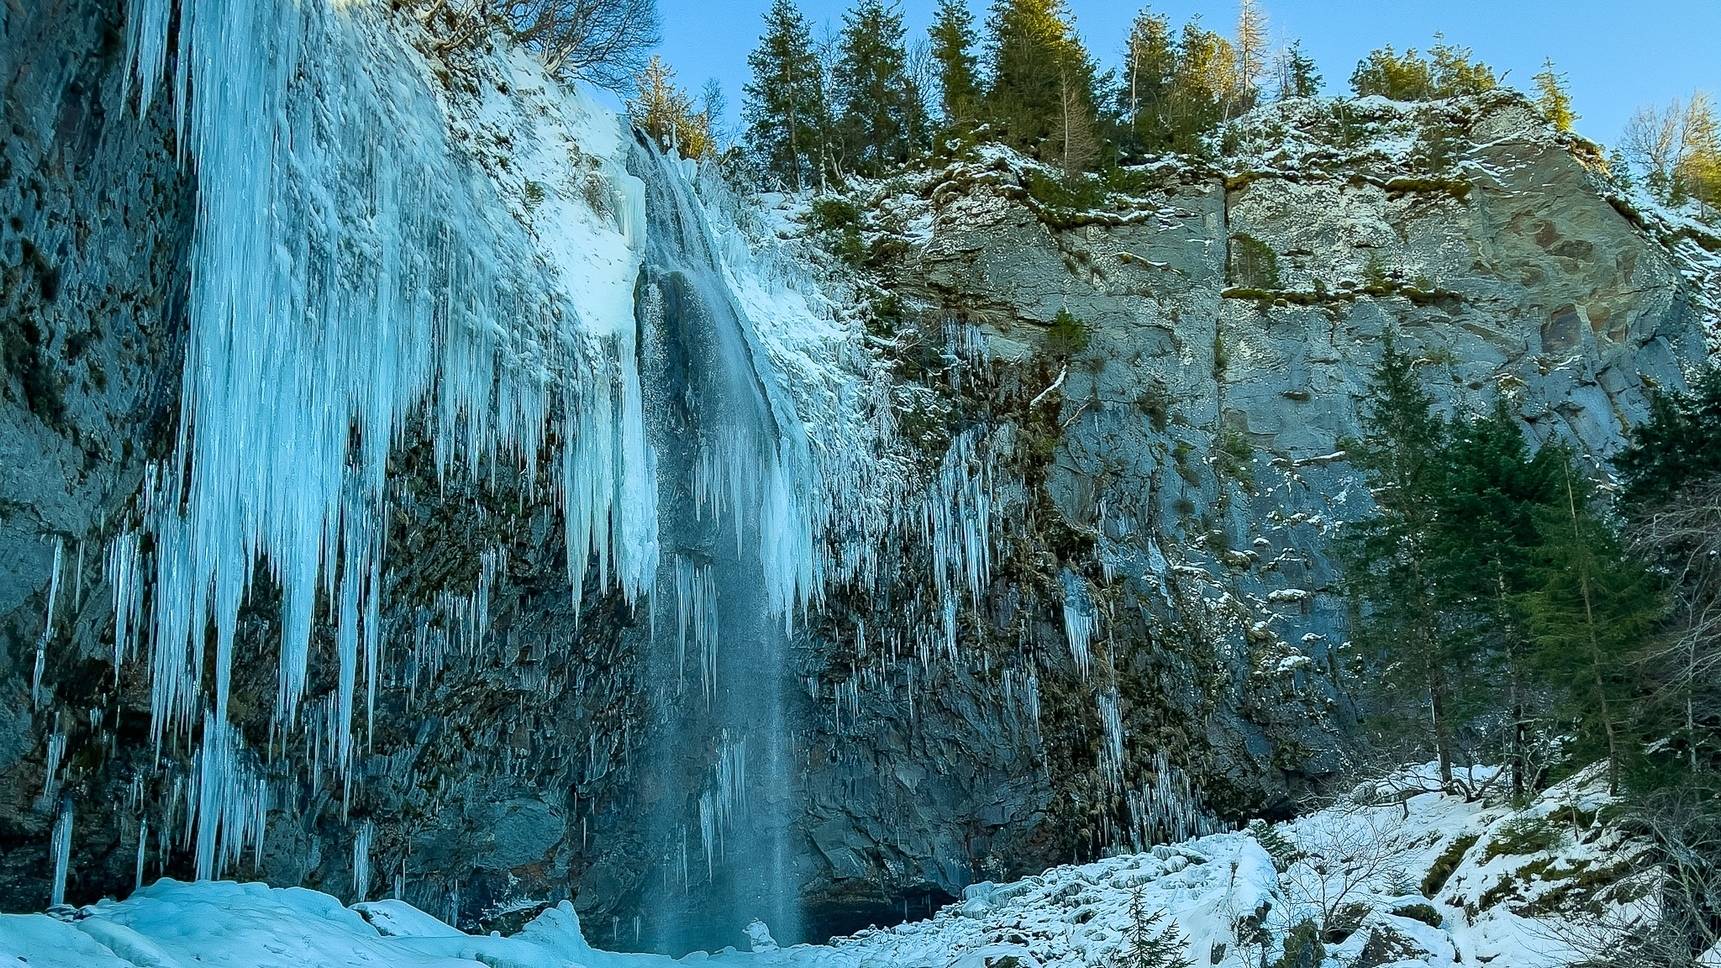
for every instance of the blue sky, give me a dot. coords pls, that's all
(1619, 54)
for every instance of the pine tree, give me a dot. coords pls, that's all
(785, 108)
(1555, 99)
(1398, 77)
(1251, 45)
(1297, 74)
(1678, 446)
(1389, 556)
(1039, 70)
(871, 82)
(1594, 608)
(1457, 73)
(952, 35)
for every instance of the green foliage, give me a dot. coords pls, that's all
(1281, 848)
(883, 118)
(1041, 99)
(1149, 941)
(1680, 444)
(1446, 863)
(1448, 71)
(786, 108)
(1235, 457)
(1374, 275)
(1303, 947)
(952, 35)
(1253, 263)
(1065, 198)
(1297, 74)
(1067, 336)
(1554, 97)
(838, 221)
(1523, 835)
(1592, 611)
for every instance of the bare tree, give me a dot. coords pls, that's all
(603, 42)
(1341, 857)
(1679, 148)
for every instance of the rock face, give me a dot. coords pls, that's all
(1139, 400)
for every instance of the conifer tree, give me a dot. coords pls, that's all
(1202, 86)
(1040, 72)
(1391, 573)
(785, 108)
(1594, 608)
(1297, 74)
(1398, 77)
(871, 82)
(1555, 99)
(1149, 67)
(1150, 942)
(665, 112)
(1482, 552)
(952, 35)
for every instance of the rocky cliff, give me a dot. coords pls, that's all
(1104, 611)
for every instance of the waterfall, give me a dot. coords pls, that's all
(737, 488)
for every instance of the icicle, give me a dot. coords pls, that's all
(361, 861)
(1080, 619)
(60, 846)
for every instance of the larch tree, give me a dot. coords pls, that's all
(1251, 44)
(952, 36)
(785, 108)
(1554, 97)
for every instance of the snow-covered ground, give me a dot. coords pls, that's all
(1520, 889)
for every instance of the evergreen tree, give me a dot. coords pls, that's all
(1594, 608)
(1297, 74)
(1391, 573)
(785, 107)
(1679, 446)
(871, 82)
(952, 35)
(1202, 86)
(1150, 942)
(1149, 68)
(1042, 77)
(1384, 72)
(1482, 552)
(1448, 71)
(1457, 73)
(1555, 99)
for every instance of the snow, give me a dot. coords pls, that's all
(1214, 888)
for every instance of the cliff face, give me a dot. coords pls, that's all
(1172, 464)
(1104, 611)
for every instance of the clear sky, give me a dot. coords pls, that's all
(1619, 54)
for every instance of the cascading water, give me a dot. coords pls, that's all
(736, 485)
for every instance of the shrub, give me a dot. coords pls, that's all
(1067, 336)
